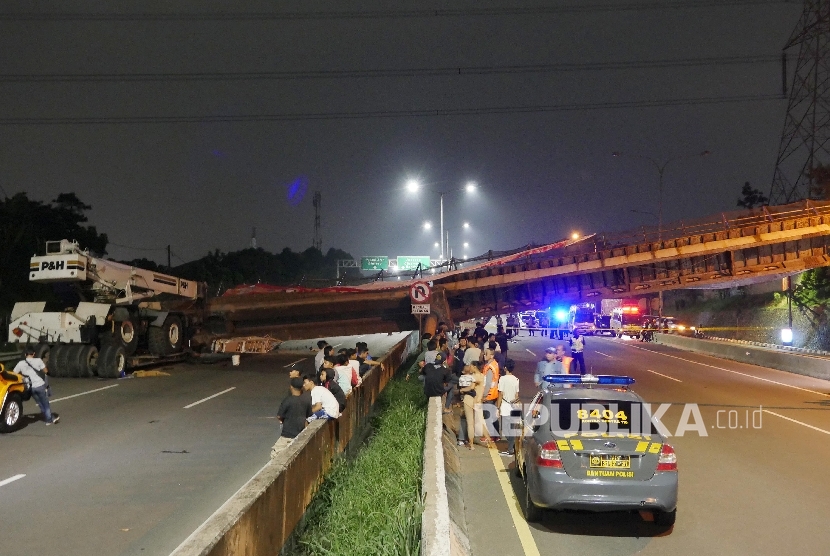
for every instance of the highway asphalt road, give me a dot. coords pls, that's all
(743, 490)
(135, 465)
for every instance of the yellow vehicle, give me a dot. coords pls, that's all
(13, 392)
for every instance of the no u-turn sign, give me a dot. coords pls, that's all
(419, 292)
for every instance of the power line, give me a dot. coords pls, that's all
(136, 248)
(100, 120)
(406, 72)
(384, 14)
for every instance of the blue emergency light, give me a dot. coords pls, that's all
(608, 380)
(560, 315)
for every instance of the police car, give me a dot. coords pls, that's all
(592, 446)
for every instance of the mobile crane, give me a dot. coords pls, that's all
(128, 316)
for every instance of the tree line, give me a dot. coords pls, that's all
(27, 224)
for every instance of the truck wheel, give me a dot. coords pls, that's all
(12, 413)
(73, 363)
(111, 361)
(42, 352)
(59, 360)
(87, 361)
(166, 339)
(124, 334)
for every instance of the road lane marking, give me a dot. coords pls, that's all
(210, 397)
(530, 352)
(337, 345)
(664, 376)
(295, 362)
(4, 482)
(605, 354)
(83, 393)
(734, 372)
(522, 528)
(794, 421)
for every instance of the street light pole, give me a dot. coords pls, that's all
(661, 168)
(442, 226)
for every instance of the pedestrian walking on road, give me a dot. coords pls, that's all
(472, 405)
(35, 370)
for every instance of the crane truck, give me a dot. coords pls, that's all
(127, 316)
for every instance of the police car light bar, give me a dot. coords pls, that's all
(589, 379)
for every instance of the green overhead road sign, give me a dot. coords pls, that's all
(374, 263)
(411, 263)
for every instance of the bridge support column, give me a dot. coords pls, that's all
(431, 323)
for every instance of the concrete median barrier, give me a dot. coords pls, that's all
(803, 364)
(260, 517)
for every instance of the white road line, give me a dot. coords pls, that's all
(295, 362)
(210, 397)
(664, 376)
(530, 352)
(221, 508)
(4, 482)
(82, 393)
(734, 372)
(605, 354)
(522, 528)
(794, 421)
(337, 345)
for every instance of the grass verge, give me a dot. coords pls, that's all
(371, 504)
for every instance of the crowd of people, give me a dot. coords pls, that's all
(322, 394)
(468, 369)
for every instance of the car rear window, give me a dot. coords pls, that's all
(587, 415)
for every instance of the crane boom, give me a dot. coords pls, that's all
(117, 283)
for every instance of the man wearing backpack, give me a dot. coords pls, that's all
(35, 370)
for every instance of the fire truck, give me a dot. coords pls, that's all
(626, 320)
(127, 317)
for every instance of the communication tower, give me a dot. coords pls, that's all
(805, 141)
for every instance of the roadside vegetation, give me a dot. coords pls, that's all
(371, 504)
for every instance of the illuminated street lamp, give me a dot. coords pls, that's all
(464, 226)
(575, 235)
(413, 185)
(427, 225)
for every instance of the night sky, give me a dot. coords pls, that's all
(204, 184)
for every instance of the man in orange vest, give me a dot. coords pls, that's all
(566, 361)
(491, 381)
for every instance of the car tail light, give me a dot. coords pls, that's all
(549, 456)
(17, 332)
(667, 460)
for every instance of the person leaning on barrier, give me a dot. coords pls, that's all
(293, 412)
(325, 378)
(323, 403)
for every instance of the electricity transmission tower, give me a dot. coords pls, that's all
(317, 242)
(805, 139)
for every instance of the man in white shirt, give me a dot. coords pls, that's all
(508, 400)
(473, 353)
(29, 368)
(318, 359)
(323, 402)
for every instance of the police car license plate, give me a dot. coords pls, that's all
(610, 461)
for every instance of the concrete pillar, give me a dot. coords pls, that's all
(431, 323)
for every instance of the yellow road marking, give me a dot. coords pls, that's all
(522, 528)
